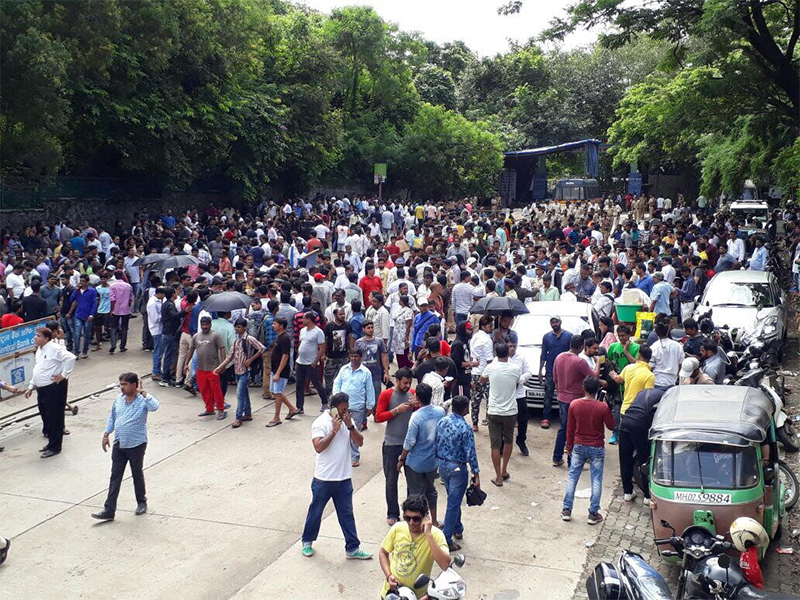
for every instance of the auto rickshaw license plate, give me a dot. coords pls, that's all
(701, 498)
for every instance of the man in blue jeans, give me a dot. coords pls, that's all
(553, 343)
(245, 350)
(83, 308)
(355, 380)
(455, 449)
(587, 421)
(331, 434)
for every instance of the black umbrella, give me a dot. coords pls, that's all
(227, 302)
(180, 260)
(150, 259)
(499, 304)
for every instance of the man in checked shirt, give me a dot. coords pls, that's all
(128, 419)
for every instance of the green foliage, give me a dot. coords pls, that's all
(436, 86)
(444, 155)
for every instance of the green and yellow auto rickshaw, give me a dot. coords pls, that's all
(714, 457)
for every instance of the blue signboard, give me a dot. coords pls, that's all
(635, 184)
(18, 339)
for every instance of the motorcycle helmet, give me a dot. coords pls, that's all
(746, 532)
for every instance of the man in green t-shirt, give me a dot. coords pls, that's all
(621, 354)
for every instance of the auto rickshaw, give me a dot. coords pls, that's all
(714, 457)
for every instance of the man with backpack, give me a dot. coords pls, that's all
(245, 351)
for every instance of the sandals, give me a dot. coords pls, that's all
(247, 418)
(273, 423)
(236, 424)
(497, 484)
(507, 476)
(292, 415)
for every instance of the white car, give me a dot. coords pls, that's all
(576, 317)
(750, 302)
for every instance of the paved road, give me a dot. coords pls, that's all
(227, 509)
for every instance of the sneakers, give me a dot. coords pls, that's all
(523, 448)
(545, 424)
(141, 508)
(594, 518)
(613, 440)
(359, 555)
(646, 502)
(307, 551)
(566, 515)
(629, 497)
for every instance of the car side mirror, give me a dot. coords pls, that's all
(459, 560)
(422, 581)
(665, 523)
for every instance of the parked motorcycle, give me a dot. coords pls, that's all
(755, 377)
(449, 585)
(706, 571)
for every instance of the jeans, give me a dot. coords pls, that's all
(561, 436)
(169, 346)
(359, 416)
(455, 479)
(391, 454)
(342, 494)
(522, 420)
(595, 457)
(549, 393)
(302, 373)
(81, 327)
(119, 330)
(120, 457)
(66, 325)
(460, 318)
(158, 351)
(242, 397)
(632, 442)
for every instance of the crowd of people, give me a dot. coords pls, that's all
(370, 303)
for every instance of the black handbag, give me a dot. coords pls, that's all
(475, 495)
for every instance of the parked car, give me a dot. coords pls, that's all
(750, 303)
(576, 317)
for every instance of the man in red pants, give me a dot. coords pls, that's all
(210, 349)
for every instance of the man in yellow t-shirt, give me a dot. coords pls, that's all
(419, 213)
(636, 377)
(411, 546)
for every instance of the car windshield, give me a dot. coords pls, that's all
(703, 465)
(531, 329)
(729, 293)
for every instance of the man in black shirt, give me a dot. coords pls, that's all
(337, 344)
(279, 366)
(34, 306)
(633, 439)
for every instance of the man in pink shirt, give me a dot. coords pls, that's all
(569, 371)
(121, 301)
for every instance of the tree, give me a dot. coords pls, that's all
(443, 155)
(436, 86)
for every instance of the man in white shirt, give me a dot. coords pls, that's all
(154, 325)
(15, 282)
(666, 359)
(53, 364)
(668, 270)
(436, 379)
(503, 378)
(379, 315)
(331, 434)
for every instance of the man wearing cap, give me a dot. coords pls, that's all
(691, 374)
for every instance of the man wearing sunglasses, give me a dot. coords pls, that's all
(411, 546)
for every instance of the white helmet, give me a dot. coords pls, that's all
(746, 532)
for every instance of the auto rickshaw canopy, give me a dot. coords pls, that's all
(722, 414)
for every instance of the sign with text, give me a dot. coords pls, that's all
(19, 338)
(380, 173)
(17, 371)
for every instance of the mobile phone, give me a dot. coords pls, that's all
(601, 359)
(334, 413)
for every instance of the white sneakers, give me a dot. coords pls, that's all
(630, 497)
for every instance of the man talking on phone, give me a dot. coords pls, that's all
(128, 419)
(331, 434)
(411, 547)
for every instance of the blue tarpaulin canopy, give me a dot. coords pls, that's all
(590, 146)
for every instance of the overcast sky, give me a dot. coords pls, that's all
(476, 22)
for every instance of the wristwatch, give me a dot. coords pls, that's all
(351, 428)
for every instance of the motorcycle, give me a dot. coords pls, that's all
(449, 585)
(755, 377)
(706, 572)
